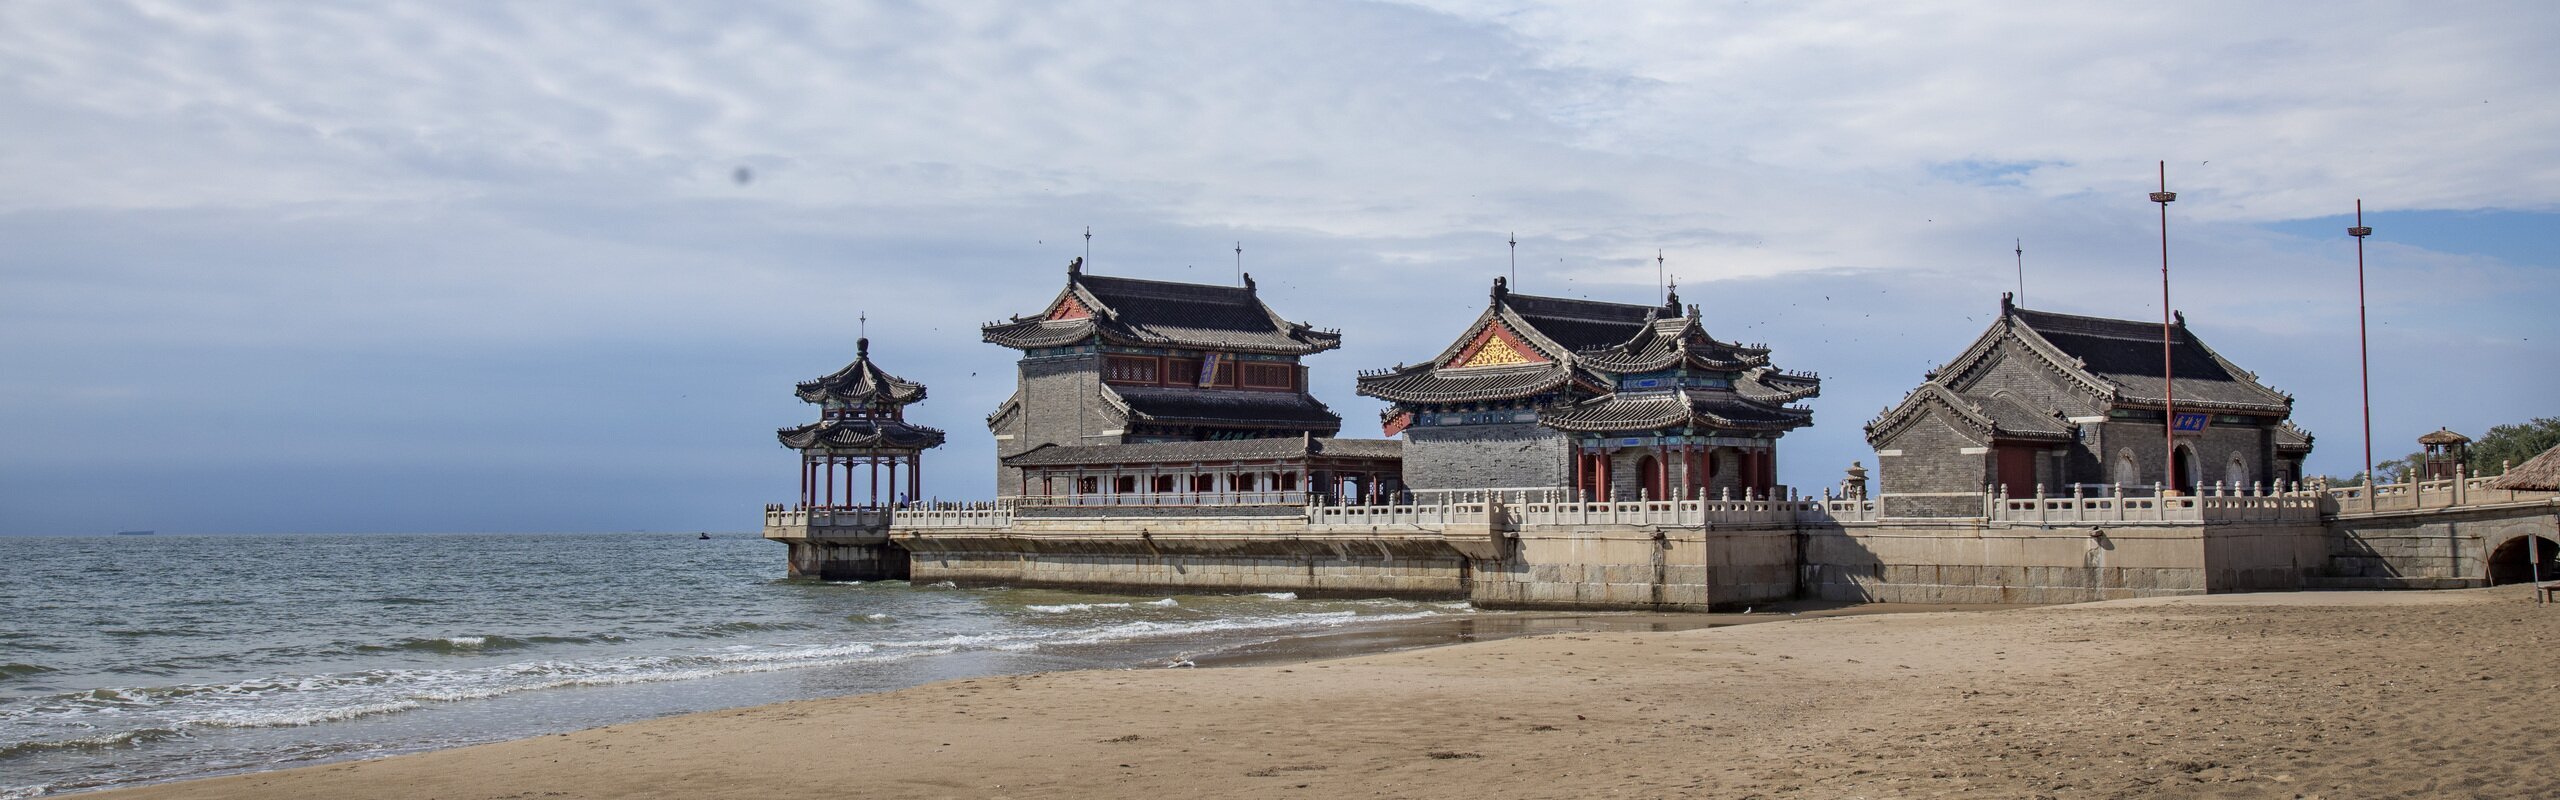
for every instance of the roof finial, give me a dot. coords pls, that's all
(862, 340)
(1671, 298)
(1500, 289)
(2021, 246)
(1657, 274)
(1242, 278)
(2005, 305)
(1515, 255)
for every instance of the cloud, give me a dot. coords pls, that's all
(495, 251)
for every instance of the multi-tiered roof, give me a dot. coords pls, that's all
(1584, 365)
(1144, 313)
(863, 408)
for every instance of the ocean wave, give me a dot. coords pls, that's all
(123, 716)
(1064, 608)
(20, 669)
(98, 742)
(1276, 595)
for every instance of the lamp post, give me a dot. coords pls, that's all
(2168, 376)
(2364, 358)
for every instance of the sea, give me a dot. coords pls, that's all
(137, 659)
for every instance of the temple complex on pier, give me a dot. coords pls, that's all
(1151, 393)
(2046, 403)
(1564, 453)
(1608, 400)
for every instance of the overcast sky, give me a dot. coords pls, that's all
(464, 267)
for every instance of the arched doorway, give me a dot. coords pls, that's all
(2512, 561)
(2235, 474)
(1650, 469)
(2182, 472)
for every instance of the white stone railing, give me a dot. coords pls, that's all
(1292, 497)
(995, 514)
(1690, 513)
(1424, 515)
(776, 516)
(2459, 490)
(2252, 504)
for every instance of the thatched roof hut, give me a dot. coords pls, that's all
(2538, 474)
(2444, 436)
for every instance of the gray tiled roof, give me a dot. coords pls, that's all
(1166, 314)
(2012, 418)
(1229, 450)
(861, 381)
(1581, 324)
(2127, 356)
(1260, 408)
(1674, 410)
(1424, 384)
(850, 434)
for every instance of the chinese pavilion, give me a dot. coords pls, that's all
(1114, 361)
(2059, 402)
(1610, 400)
(861, 427)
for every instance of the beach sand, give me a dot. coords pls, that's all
(2330, 695)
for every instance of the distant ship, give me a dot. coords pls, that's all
(135, 533)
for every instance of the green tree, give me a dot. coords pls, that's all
(2512, 444)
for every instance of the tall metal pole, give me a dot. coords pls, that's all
(2364, 360)
(2168, 375)
(1515, 260)
(2021, 247)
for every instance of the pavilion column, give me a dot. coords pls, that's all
(915, 476)
(1771, 468)
(831, 481)
(804, 479)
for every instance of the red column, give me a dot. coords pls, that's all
(804, 479)
(1772, 467)
(831, 481)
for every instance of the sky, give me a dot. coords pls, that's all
(459, 266)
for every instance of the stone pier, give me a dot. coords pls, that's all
(837, 544)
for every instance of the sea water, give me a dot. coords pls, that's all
(136, 659)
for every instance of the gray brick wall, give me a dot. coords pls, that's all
(1931, 461)
(1485, 456)
(2213, 449)
(1061, 404)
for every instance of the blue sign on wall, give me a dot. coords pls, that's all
(2191, 423)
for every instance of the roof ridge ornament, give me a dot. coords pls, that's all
(1075, 268)
(1501, 289)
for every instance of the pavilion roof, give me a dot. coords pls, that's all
(1132, 311)
(860, 434)
(861, 382)
(1277, 448)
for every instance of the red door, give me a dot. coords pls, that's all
(2018, 471)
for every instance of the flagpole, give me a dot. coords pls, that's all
(2364, 358)
(2168, 374)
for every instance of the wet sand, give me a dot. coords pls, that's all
(2331, 695)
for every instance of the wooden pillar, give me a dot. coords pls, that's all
(915, 475)
(804, 479)
(831, 481)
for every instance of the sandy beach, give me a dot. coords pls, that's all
(2328, 695)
